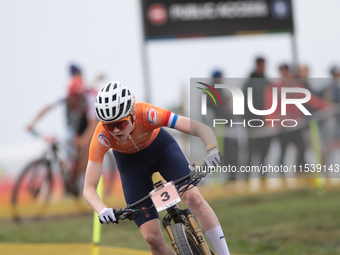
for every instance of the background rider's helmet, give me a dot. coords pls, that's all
(113, 102)
(216, 74)
(74, 69)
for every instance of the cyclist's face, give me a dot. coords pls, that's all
(120, 130)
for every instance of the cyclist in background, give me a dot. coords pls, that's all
(141, 147)
(81, 120)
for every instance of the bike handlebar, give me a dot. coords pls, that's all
(49, 139)
(193, 176)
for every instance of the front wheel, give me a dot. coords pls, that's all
(32, 191)
(185, 241)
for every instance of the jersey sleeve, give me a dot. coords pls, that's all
(100, 144)
(155, 117)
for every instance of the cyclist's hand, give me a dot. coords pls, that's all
(30, 127)
(214, 158)
(107, 215)
(50, 139)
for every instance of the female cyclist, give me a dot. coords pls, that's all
(141, 147)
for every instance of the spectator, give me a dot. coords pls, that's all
(303, 77)
(230, 145)
(335, 84)
(292, 112)
(257, 81)
(332, 94)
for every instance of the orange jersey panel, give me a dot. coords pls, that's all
(148, 121)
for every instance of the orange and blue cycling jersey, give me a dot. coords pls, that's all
(149, 119)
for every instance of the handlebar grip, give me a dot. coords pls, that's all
(118, 212)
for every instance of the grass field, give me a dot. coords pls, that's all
(292, 222)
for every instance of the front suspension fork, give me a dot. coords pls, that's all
(198, 232)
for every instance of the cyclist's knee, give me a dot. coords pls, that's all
(193, 199)
(150, 238)
(152, 234)
(154, 241)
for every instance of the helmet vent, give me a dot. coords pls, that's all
(114, 97)
(97, 113)
(113, 111)
(129, 93)
(115, 86)
(123, 92)
(102, 112)
(107, 112)
(108, 88)
(128, 106)
(121, 108)
(100, 100)
(106, 100)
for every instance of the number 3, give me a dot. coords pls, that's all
(166, 195)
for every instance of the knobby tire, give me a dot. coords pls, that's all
(186, 244)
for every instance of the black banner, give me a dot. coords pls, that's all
(189, 18)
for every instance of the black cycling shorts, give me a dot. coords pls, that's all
(163, 155)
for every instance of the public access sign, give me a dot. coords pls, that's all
(165, 19)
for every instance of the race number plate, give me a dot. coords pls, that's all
(165, 196)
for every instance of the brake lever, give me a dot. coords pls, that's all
(121, 217)
(198, 172)
(129, 214)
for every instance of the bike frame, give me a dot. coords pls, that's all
(58, 162)
(174, 214)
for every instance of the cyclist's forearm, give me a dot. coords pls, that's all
(39, 115)
(92, 198)
(206, 134)
(198, 129)
(92, 176)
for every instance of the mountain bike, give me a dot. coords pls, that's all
(53, 170)
(186, 237)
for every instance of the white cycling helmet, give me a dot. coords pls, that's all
(113, 102)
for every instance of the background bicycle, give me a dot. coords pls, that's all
(53, 175)
(186, 237)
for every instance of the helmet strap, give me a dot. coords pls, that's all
(131, 121)
(131, 118)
